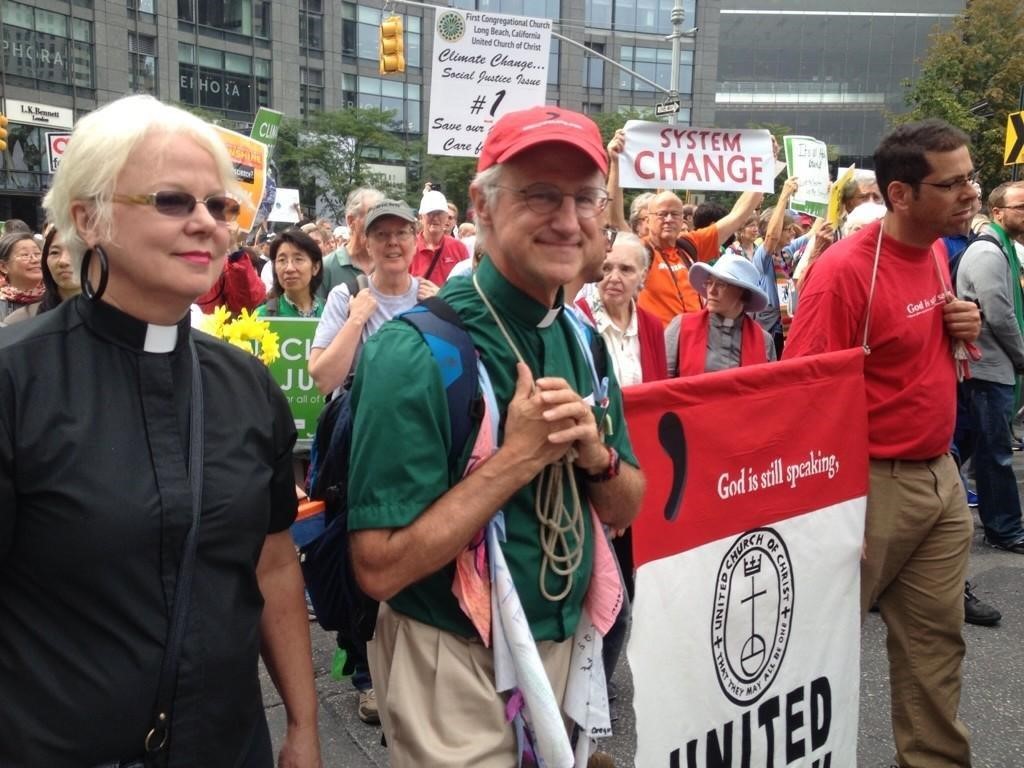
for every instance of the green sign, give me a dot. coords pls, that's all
(291, 371)
(265, 127)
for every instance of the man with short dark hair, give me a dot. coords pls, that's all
(538, 194)
(989, 274)
(884, 288)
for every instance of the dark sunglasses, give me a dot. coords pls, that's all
(180, 204)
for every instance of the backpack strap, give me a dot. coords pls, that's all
(452, 349)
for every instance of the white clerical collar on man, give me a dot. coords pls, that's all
(549, 317)
(160, 338)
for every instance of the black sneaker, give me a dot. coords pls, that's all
(977, 612)
(1016, 547)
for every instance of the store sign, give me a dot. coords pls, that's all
(36, 54)
(216, 89)
(31, 113)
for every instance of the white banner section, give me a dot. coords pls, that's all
(746, 650)
(807, 159)
(660, 156)
(485, 64)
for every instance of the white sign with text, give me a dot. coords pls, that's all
(660, 156)
(485, 64)
(807, 159)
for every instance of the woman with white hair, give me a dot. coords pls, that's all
(723, 335)
(146, 483)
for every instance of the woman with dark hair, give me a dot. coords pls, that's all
(298, 272)
(59, 279)
(21, 272)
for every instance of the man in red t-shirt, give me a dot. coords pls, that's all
(436, 251)
(918, 527)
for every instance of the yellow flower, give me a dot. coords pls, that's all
(269, 351)
(214, 324)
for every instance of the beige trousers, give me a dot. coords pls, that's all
(918, 535)
(435, 691)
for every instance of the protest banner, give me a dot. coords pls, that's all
(485, 64)
(835, 199)
(660, 156)
(291, 371)
(745, 640)
(249, 157)
(807, 159)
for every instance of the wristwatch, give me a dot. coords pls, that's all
(611, 471)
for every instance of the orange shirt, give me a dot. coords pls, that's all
(667, 291)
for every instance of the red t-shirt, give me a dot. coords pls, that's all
(452, 252)
(910, 375)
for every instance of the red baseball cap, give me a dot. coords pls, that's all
(516, 132)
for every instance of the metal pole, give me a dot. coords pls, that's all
(613, 62)
(677, 33)
(1020, 107)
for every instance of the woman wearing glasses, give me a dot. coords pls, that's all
(145, 558)
(298, 272)
(349, 320)
(59, 279)
(21, 271)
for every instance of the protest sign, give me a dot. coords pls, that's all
(291, 371)
(286, 206)
(249, 157)
(265, 127)
(807, 159)
(56, 144)
(660, 156)
(835, 199)
(485, 64)
(746, 618)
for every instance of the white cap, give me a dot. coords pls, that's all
(433, 201)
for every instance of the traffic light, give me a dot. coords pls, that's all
(392, 55)
(3, 133)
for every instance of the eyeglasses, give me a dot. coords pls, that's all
(958, 184)
(547, 198)
(384, 236)
(1017, 207)
(180, 204)
(610, 233)
(298, 259)
(28, 256)
(663, 215)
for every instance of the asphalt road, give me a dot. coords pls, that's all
(992, 705)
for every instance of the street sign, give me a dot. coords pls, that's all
(1014, 150)
(667, 107)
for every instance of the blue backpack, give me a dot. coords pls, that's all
(339, 603)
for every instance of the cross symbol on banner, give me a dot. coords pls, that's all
(1014, 138)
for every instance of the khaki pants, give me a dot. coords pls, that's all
(436, 696)
(918, 535)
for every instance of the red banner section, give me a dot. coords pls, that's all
(730, 451)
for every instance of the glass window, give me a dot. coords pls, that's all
(211, 58)
(261, 19)
(187, 10)
(142, 55)
(403, 99)
(595, 67)
(81, 30)
(82, 64)
(599, 13)
(51, 23)
(186, 53)
(655, 64)
(239, 64)
(228, 15)
(141, 6)
(311, 31)
(19, 15)
(261, 67)
(553, 62)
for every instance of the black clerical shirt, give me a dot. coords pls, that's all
(94, 508)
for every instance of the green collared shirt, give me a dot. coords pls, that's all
(402, 434)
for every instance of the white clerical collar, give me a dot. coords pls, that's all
(549, 317)
(160, 338)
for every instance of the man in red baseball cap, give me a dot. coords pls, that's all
(561, 468)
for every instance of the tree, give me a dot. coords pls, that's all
(328, 155)
(972, 77)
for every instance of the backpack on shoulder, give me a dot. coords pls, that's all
(339, 603)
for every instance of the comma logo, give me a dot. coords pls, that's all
(752, 614)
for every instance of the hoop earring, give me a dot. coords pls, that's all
(93, 294)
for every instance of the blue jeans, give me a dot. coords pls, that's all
(990, 410)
